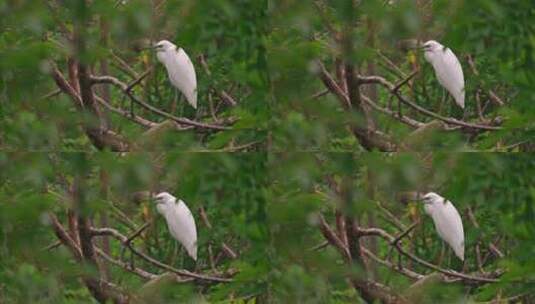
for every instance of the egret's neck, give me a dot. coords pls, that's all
(161, 208)
(429, 56)
(428, 209)
(161, 56)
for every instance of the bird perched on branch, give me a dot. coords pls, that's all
(179, 220)
(447, 69)
(179, 69)
(447, 221)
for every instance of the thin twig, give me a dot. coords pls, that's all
(404, 81)
(405, 271)
(137, 233)
(124, 66)
(181, 120)
(116, 234)
(382, 81)
(319, 94)
(223, 95)
(492, 95)
(225, 248)
(138, 80)
(52, 94)
(319, 246)
(449, 272)
(54, 245)
(392, 218)
(404, 233)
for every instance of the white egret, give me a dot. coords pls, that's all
(179, 69)
(447, 221)
(179, 220)
(447, 69)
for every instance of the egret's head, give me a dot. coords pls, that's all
(432, 46)
(163, 198)
(164, 45)
(432, 198)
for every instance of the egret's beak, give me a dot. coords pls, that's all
(408, 44)
(419, 197)
(422, 47)
(152, 47)
(139, 197)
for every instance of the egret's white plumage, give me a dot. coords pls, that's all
(447, 69)
(179, 220)
(179, 69)
(447, 221)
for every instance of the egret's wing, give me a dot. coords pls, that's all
(450, 74)
(450, 228)
(182, 227)
(182, 74)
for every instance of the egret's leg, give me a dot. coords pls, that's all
(465, 114)
(174, 254)
(174, 102)
(198, 111)
(443, 101)
(442, 253)
(449, 258)
(167, 251)
(182, 257)
(181, 103)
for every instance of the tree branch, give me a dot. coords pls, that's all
(181, 120)
(116, 234)
(391, 88)
(449, 272)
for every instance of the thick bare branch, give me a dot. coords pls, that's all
(368, 137)
(116, 234)
(382, 233)
(181, 120)
(404, 271)
(100, 137)
(391, 88)
(333, 239)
